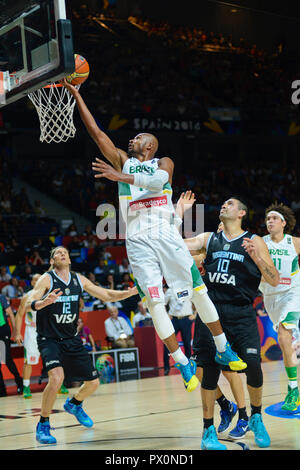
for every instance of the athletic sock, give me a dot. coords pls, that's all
(255, 409)
(223, 403)
(292, 376)
(220, 342)
(26, 383)
(180, 357)
(75, 402)
(208, 422)
(243, 414)
(44, 420)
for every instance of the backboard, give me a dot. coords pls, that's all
(36, 46)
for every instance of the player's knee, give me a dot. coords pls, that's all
(56, 377)
(254, 373)
(205, 307)
(161, 320)
(93, 385)
(210, 378)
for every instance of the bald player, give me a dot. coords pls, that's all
(154, 246)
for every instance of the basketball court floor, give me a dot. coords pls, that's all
(148, 414)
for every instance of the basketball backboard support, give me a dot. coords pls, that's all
(36, 46)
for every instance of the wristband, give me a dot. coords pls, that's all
(33, 305)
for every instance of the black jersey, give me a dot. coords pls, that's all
(231, 275)
(59, 320)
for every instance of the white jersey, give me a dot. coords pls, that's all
(143, 209)
(286, 260)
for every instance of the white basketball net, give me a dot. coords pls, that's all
(55, 107)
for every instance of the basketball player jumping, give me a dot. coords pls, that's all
(235, 262)
(56, 299)
(282, 302)
(154, 247)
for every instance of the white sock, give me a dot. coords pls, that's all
(26, 383)
(220, 342)
(293, 383)
(180, 357)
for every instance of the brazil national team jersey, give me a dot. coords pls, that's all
(59, 320)
(231, 275)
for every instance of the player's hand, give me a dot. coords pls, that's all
(52, 297)
(71, 88)
(132, 291)
(19, 339)
(185, 202)
(103, 170)
(251, 248)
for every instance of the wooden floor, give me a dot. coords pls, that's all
(150, 414)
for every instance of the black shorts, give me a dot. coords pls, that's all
(240, 327)
(67, 353)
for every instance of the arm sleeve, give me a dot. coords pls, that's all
(153, 182)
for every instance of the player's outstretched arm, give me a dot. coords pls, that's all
(114, 155)
(19, 318)
(106, 295)
(258, 250)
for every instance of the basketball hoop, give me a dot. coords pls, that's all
(55, 106)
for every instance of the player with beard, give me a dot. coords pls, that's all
(154, 246)
(56, 300)
(235, 261)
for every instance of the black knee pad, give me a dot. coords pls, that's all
(254, 373)
(211, 374)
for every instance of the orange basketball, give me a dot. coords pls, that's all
(82, 70)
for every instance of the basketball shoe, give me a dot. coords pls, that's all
(240, 430)
(230, 358)
(210, 440)
(43, 433)
(261, 436)
(292, 400)
(226, 417)
(79, 413)
(27, 392)
(188, 374)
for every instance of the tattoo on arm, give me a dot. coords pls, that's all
(269, 272)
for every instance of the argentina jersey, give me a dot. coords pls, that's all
(59, 320)
(231, 275)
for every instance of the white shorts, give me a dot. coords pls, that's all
(31, 352)
(284, 308)
(168, 257)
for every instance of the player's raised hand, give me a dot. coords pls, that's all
(71, 88)
(52, 297)
(185, 202)
(103, 170)
(251, 248)
(132, 291)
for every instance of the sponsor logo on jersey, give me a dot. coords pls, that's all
(181, 294)
(285, 281)
(67, 291)
(222, 278)
(65, 318)
(154, 292)
(149, 202)
(226, 247)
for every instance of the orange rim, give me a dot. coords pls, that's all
(53, 85)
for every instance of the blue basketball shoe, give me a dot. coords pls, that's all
(240, 430)
(210, 440)
(230, 358)
(226, 417)
(43, 433)
(188, 374)
(79, 413)
(261, 436)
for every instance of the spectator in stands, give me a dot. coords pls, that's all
(38, 209)
(86, 336)
(90, 241)
(5, 335)
(109, 282)
(4, 275)
(72, 230)
(13, 289)
(142, 317)
(35, 259)
(100, 270)
(125, 267)
(118, 330)
(74, 247)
